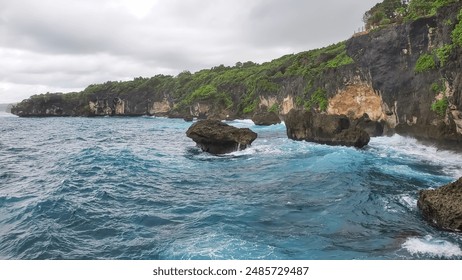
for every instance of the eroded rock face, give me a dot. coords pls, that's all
(215, 137)
(443, 206)
(324, 129)
(266, 118)
(373, 128)
(356, 100)
(160, 107)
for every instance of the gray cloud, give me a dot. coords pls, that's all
(65, 45)
(300, 24)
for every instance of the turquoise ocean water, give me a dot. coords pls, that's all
(138, 188)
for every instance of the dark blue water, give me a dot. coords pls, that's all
(138, 188)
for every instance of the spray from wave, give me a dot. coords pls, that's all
(402, 147)
(430, 246)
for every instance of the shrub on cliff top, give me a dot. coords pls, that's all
(394, 11)
(425, 8)
(383, 13)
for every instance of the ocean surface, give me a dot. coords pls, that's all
(138, 188)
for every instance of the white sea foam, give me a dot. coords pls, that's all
(258, 149)
(404, 200)
(432, 247)
(249, 123)
(387, 207)
(7, 115)
(398, 146)
(213, 245)
(409, 202)
(249, 151)
(241, 123)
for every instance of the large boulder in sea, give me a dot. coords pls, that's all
(215, 137)
(266, 118)
(443, 206)
(324, 129)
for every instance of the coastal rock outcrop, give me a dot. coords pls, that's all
(266, 118)
(373, 128)
(216, 137)
(324, 129)
(443, 206)
(188, 118)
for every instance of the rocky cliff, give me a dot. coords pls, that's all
(388, 61)
(325, 129)
(407, 76)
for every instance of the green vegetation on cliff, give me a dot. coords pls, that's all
(396, 11)
(426, 8)
(208, 93)
(237, 88)
(253, 79)
(425, 62)
(274, 108)
(318, 100)
(456, 34)
(439, 87)
(440, 106)
(384, 13)
(443, 53)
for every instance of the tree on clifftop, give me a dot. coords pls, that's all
(424, 8)
(383, 13)
(395, 11)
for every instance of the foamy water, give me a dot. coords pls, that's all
(138, 188)
(429, 246)
(407, 147)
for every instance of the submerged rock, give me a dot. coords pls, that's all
(443, 206)
(266, 118)
(216, 137)
(324, 129)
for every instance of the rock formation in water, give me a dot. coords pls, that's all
(405, 76)
(266, 118)
(443, 206)
(216, 137)
(324, 129)
(373, 128)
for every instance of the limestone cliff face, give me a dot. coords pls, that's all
(160, 107)
(103, 107)
(356, 100)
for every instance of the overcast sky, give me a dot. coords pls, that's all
(65, 45)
